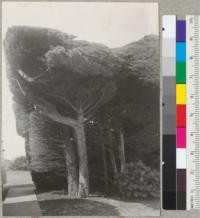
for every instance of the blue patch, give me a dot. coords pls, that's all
(181, 51)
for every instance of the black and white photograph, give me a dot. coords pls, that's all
(80, 109)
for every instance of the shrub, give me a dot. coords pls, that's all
(138, 181)
(19, 163)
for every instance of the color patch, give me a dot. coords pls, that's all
(180, 137)
(169, 48)
(168, 66)
(180, 52)
(169, 26)
(180, 30)
(169, 124)
(180, 94)
(181, 72)
(181, 189)
(181, 179)
(180, 158)
(169, 86)
(181, 115)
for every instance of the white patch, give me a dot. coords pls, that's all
(180, 158)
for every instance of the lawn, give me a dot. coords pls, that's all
(18, 177)
(76, 207)
(59, 204)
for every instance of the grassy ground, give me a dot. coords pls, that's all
(58, 203)
(18, 177)
(76, 207)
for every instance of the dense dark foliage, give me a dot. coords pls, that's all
(138, 181)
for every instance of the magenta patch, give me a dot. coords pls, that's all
(181, 137)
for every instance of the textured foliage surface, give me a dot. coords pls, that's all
(138, 181)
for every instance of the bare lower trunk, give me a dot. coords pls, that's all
(83, 159)
(27, 149)
(71, 164)
(105, 168)
(111, 151)
(78, 127)
(122, 150)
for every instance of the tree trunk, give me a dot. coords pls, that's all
(71, 164)
(78, 127)
(83, 159)
(105, 168)
(111, 151)
(27, 148)
(122, 150)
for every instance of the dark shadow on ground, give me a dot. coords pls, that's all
(21, 209)
(76, 207)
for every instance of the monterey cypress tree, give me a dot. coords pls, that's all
(65, 80)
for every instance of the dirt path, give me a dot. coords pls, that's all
(129, 208)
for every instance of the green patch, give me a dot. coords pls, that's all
(180, 72)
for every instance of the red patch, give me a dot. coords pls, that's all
(181, 115)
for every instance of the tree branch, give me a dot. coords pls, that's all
(87, 102)
(95, 105)
(31, 79)
(35, 79)
(65, 101)
(20, 86)
(103, 99)
(84, 103)
(51, 112)
(48, 110)
(90, 101)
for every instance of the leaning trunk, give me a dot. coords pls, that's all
(105, 168)
(71, 163)
(111, 151)
(122, 150)
(83, 190)
(27, 148)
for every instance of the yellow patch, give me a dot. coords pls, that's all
(180, 94)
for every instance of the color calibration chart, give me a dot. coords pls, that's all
(181, 112)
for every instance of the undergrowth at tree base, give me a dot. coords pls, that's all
(138, 181)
